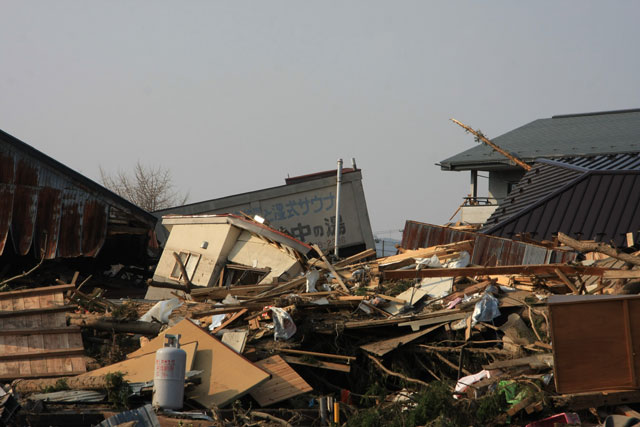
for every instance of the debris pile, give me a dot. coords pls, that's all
(427, 335)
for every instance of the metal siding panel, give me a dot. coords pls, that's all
(616, 227)
(48, 222)
(6, 168)
(94, 227)
(70, 242)
(598, 188)
(567, 221)
(553, 216)
(25, 206)
(534, 255)
(611, 188)
(6, 212)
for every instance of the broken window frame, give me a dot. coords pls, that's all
(190, 260)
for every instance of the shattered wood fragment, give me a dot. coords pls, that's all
(567, 281)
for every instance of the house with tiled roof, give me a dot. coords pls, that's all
(588, 158)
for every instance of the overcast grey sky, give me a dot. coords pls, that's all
(233, 96)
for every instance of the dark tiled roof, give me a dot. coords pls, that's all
(561, 136)
(597, 205)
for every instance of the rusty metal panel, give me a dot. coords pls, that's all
(420, 235)
(487, 250)
(70, 241)
(25, 206)
(48, 222)
(6, 212)
(94, 227)
(6, 169)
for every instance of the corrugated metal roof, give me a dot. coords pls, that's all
(625, 161)
(487, 250)
(597, 205)
(543, 179)
(561, 136)
(47, 207)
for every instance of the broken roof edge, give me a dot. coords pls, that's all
(242, 223)
(84, 182)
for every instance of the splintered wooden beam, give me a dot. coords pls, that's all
(567, 281)
(493, 145)
(331, 269)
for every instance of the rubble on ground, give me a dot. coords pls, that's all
(423, 336)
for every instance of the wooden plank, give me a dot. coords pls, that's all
(316, 354)
(621, 274)
(426, 252)
(230, 320)
(284, 383)
(17, 313)
(41, 375)
(318, 364)
(30, 332)
(46, 353)
(36, 291)
(380, 348)
(354, 258)
(356, 324)
(533, 269)
(416, 324)
(226, 374)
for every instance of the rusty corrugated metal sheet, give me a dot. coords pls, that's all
(487, 250)
(39, 209)
(94, 227)
(48, 221)
(6, 212)
(70, 243)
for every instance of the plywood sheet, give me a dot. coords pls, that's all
(594, 343)
(226, 375)
(141, 368)
(284, 383)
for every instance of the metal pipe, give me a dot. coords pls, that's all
(337, 224)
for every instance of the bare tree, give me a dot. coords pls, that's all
(151, 188)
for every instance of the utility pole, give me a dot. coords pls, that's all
(480, 137)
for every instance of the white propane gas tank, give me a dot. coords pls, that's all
(168, 379)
